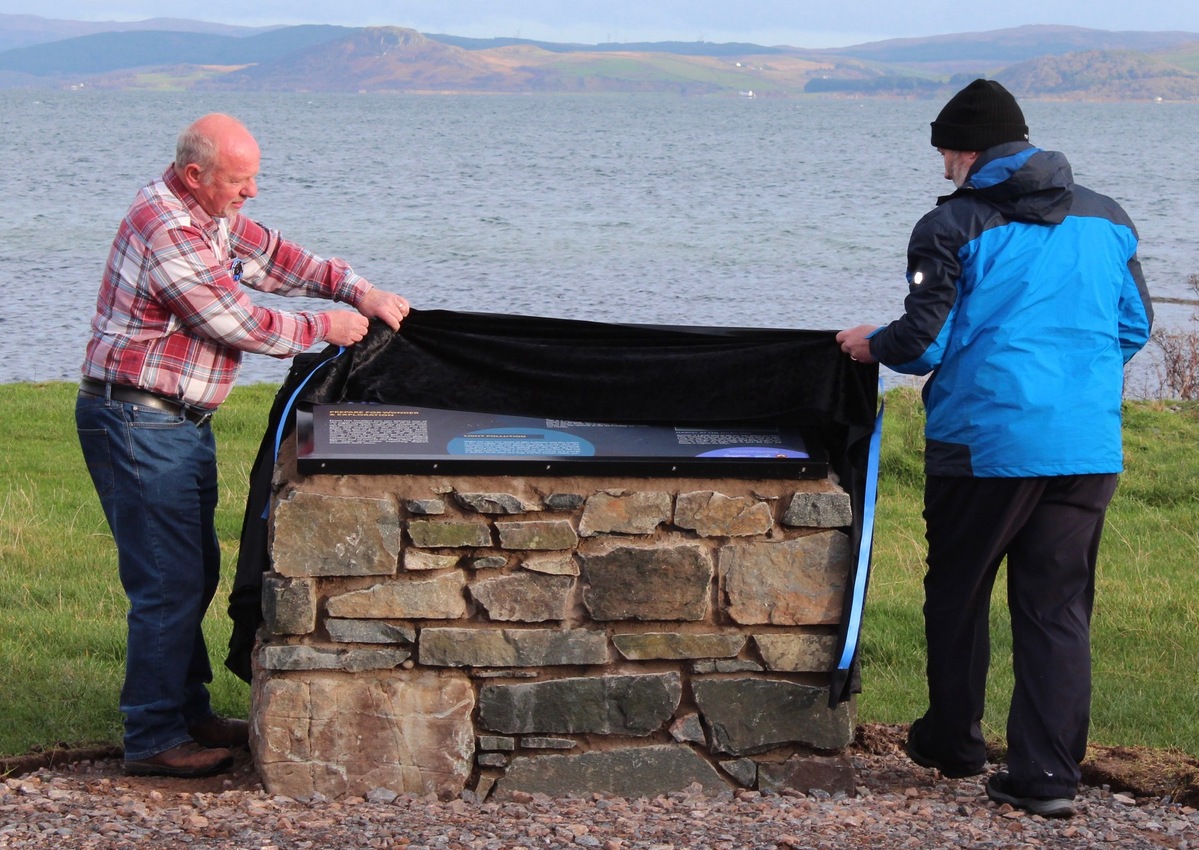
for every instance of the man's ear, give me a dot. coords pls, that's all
(191, 175)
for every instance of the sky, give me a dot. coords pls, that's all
(798, 23)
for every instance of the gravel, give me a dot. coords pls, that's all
(92, 804)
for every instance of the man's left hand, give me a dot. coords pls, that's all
(381, 304)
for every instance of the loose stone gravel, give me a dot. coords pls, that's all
(92, 804)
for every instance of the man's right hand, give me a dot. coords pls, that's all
(346, 327)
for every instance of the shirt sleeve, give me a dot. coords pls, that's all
(270, 263)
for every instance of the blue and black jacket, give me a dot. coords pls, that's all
(1025, 301)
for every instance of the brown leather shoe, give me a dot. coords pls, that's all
(186, 760)
(219, 731)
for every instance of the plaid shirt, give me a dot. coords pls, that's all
(172, 317)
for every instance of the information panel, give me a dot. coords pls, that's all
(386, 438)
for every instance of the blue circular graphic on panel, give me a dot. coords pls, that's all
(754, 451)
(520, 442)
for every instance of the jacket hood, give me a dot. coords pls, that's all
(1023, 182)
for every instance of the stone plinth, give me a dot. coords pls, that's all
(512, 635)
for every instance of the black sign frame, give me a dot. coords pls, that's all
(369, 438)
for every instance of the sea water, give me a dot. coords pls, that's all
(725, 211)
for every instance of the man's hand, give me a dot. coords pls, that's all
(345, 327)
(856, 343)
(381, 304)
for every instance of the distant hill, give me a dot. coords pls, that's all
(111, 51)
(27, 30)
(1007, 46)
(1036, 61)
(1101, 75)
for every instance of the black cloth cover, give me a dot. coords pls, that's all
(564, 369)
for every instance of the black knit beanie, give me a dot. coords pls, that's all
(980, 116)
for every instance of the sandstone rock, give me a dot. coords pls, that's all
(819, 510)
(640, 583)
(437, 598)
(751, 715)
(792, 583)
(712, 514)
(317, 535)
(524, 597)
(448, 534)
(347, 736)
(645, 646)
(606, 705)
(537, 534)
(633, 513)
(450, 647)
(288, 605)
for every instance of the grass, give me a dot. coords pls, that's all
(62, 609)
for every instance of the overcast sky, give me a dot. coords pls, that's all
(799, 23)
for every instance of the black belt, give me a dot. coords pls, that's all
(132, 395)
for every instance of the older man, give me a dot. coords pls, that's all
(1025, 301)
(172, 321)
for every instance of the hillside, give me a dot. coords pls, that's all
(1035, 61)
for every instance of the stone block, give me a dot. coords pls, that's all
(524, 597)
(791, 583)
(295, 657)
(537, 534)
(689, 730)
(627, 772)
(711, 514)
(425, 507)
(450, 647)
(437, 598)
(343, 736)
(416, 560)
(642, 583)
(632, 513)
(448, 534)
(487, 562)
(540, 742)
(745, 771)
(564, 501)
(288, 605)
(819, 510)
(748, 715)
(603, 705)
(797, 653)
(493, 503)
(557, 564)
(647, 646)
(497, 743)
(726, 665)
(368, 631)
(317, 535)
(832, 774)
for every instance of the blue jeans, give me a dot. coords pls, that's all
(156, 475)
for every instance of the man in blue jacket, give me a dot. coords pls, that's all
(1025, 301)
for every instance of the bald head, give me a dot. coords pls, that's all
(205, 139)
(217, 159)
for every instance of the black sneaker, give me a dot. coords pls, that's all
(948, 770)
(999, 789)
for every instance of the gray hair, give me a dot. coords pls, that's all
(195, 147)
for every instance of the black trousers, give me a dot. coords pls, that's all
(1049, 530)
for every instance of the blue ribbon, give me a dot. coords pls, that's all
(854, 626)
(341, 349)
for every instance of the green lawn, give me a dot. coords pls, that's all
(62, 608)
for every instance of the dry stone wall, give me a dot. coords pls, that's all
(499, 636)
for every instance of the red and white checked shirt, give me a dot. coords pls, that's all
(172, 319)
